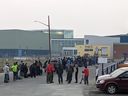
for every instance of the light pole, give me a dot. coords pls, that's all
(49, 34)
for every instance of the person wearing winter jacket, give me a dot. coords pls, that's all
(50, 70)
(6, 73)
(70, 73)
(15, 70)
(86, 75)
(59, 71)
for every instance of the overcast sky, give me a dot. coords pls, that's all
(85, 17)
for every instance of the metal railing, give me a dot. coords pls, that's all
(112, 67)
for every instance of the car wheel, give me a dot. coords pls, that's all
(111, 89)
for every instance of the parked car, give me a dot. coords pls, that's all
(114, 82)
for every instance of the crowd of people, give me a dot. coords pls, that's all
(22, 70)
(50, 67)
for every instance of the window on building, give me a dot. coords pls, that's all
(104, 51)
(87, 41)
(88, 49)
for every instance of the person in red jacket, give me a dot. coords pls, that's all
(86, 75)
(50, 69)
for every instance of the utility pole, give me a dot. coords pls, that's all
(49, 34)
(49, 31)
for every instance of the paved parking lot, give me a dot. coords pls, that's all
(38, 87)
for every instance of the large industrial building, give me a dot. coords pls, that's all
(34, 43)
(15, 43)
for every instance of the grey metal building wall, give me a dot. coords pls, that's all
(19, 39)
(13, 40)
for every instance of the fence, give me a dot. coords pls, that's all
(112, 67)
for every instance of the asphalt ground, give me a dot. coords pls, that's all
(38, 87)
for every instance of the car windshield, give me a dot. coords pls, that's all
(116, 72)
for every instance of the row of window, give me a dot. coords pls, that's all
(92, 49)
(67, 42)
(22, 52)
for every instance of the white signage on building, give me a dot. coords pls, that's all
(102, 60)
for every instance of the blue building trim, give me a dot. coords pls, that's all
(22, 52)
(123, 39)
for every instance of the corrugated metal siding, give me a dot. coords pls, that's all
(15, 39)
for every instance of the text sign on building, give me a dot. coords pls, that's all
(102, 60)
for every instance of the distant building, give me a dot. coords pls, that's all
(65, 47)
(91, 50)
(123, 37)
(15, 42)
(101, 40)
(120, 50)
(80, 46)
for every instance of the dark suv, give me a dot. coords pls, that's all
(111, 83)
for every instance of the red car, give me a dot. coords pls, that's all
(111, 83)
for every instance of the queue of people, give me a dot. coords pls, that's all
(59, 66)
(65, 65)
(22, 70)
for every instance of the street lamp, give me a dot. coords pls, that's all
(49, 31)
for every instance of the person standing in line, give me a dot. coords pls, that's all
(52, 74)
(49, 71)
(70, 73)
(21, 69)
(86, 75)
(25, 70)
(6, 73)
(60, 72)
(68, 64)
(64, 63)
(67, 71)
(32, 69)
(15, 71)
(76, 73)
(38, 68)
(97, 72)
